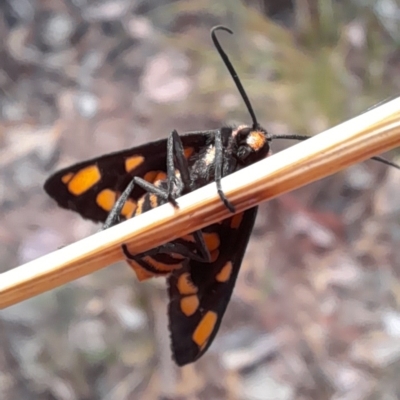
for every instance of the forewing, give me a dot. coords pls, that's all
(91, 187)
(200, 292)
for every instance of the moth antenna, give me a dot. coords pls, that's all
(246, 100)
(288, 137)
(301, 137)
(232, 71)
(386, 162)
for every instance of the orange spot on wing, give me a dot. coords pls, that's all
(83, 180)
(133, 162)
(160, 266)
(185, 285)
(106, 199)
(212, 241)
(129, 208)
(161, 176)
(225, 273)
(189, 305)
(205, 328)
(140, 272)
(67, 177)
(188, 238)
(236, 220)
(153, 200)
(214, 255)
(140, 204)
(188, 151)
(150, 176)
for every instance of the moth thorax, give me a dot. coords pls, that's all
(210, 155)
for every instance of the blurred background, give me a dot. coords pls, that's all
(316, 310)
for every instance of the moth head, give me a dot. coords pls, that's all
(251, 144)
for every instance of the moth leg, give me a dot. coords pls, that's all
(175, 152)
(113, 218)
(202, 254)
(150, 188)
(219, 160)
(137, 259)
(174, 144)
(167, 248)
(201, 246)
(175, 148)
(114, 215)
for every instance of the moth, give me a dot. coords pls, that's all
(201, 268)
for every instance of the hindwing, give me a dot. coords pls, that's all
(200, 292)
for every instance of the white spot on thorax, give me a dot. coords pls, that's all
(210, 155)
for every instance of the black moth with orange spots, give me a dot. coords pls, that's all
(202, 267)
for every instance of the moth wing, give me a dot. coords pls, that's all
(91, 187)
(200, 292)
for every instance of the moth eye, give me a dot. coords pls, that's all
(243, 152)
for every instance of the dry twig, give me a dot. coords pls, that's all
(353, 141)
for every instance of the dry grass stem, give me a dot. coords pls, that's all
(353, 141)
